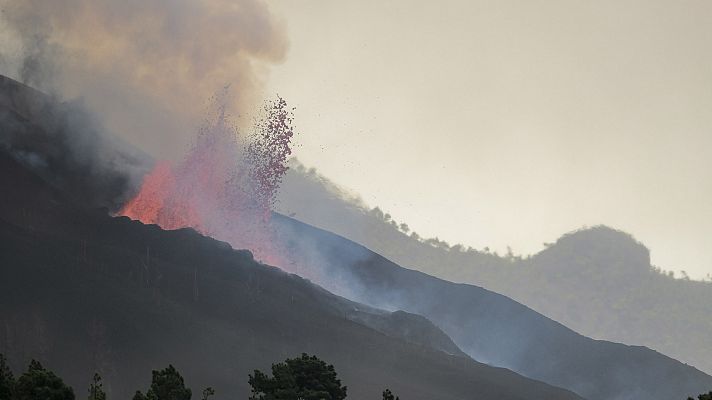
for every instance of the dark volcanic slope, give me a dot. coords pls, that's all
(493, 328)
(83, 291)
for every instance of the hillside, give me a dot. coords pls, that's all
(621, 298)
(515, 337)
(83, 291)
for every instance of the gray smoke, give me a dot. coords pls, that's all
(145, 68)
(67, 146)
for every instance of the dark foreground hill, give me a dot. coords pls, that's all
(83, 291)
(493, 328)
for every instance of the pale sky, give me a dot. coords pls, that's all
(495, 123)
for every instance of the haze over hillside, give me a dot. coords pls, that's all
(598, 281)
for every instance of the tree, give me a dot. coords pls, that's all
(40, 384)
(207, 392)
(7, 381)
(166, 384)
(387, 395)
(703, 396)
(96, 389)
(306, 377)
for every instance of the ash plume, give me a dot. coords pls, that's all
(145, 68)
(67, 146)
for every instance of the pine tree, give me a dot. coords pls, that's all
(39, 383)
(167, 384)
(207, 392)
(306, 377)
(7, 381)
(96, 389)
(703, 396)
(387, 395)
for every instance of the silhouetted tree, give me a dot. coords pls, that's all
(40, 384)
(378, 213)
(207, 392)
(96, 389)
(166, 384)
(703, 396)
(306, 377)
(387, 395)
(7, 380)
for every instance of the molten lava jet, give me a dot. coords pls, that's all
(225, 186)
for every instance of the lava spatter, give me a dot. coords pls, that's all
(226, 184)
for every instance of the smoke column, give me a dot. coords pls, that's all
(144, 68)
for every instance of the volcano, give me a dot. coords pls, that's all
(84, 291)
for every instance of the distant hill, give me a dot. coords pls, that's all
(491, 327)
(597, 281)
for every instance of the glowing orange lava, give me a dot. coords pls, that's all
(225, 186)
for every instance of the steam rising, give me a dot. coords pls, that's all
(145, 67)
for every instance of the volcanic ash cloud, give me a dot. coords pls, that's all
(146, 67)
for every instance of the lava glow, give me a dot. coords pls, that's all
(225, 186)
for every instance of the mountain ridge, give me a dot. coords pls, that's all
(491, 327)
(620, 301)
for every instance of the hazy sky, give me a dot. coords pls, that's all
(496, 123)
